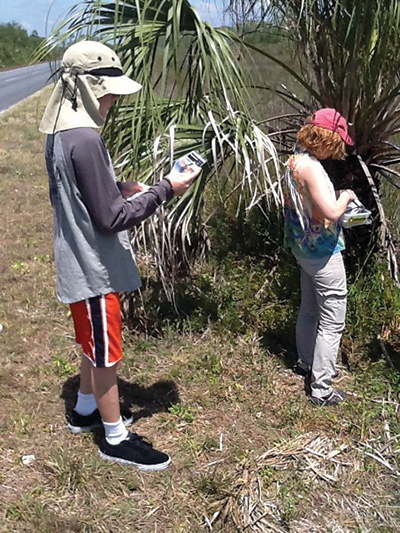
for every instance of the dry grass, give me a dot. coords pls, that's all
(249, 451)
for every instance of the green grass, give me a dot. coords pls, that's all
(211, 388)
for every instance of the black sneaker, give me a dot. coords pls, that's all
(334, 398)
(135, 451)
(78, 424)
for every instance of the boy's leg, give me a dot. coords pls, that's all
(85, 403)
(98, 329)
(97, 324)
(105, 390)
(102, 383)
(86, 376)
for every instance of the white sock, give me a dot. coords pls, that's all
(85, 404)
(116, 432)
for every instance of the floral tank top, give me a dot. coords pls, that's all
(307, 233)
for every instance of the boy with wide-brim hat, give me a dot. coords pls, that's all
(93, 255)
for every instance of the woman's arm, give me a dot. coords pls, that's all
(329, 207)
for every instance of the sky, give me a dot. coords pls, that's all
(42, 15)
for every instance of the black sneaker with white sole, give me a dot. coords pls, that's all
(334, 398)
(134, 451)
(78, 424)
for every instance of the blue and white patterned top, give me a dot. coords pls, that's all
(307, 233)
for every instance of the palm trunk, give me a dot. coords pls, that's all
(363, 242)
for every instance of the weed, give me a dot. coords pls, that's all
(23, 422)
(210, 444)
(183, 412)
(43, 259)
(69, 472)
(267, 475)
(289, 508)
(293, 410)
(64, 367)
(21, 268)
(133, 485)
(13, 512)
(215, 483)
(141, 346)
(373, 304)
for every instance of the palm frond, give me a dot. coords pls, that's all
(182, 224)
(195, 96)
(351, 51)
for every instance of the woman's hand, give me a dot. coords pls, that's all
(351, 195)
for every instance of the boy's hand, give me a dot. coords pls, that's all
(181, 181)
(142, 187)
(129, 188)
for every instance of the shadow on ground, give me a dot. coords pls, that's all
(142, 401)
(284, 349)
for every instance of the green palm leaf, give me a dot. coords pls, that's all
(349, 57)
(195, 96)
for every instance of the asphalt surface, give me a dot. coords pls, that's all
(19, 83)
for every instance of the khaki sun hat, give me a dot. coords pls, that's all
(89, 70)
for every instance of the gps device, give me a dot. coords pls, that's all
(356, 214)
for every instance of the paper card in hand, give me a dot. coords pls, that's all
(189, 162)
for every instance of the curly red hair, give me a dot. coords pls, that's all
(321, 143)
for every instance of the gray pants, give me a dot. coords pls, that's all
(321, 319)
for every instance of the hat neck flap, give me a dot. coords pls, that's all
(74, 103)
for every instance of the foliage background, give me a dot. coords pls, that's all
(16, 45)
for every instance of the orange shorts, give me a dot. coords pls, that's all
(98, 327)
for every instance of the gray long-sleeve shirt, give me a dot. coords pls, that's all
(92, 250)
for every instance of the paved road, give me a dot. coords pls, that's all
(17, 84)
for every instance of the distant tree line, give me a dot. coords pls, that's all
(16, 45)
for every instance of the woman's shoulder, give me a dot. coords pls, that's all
(302, 162)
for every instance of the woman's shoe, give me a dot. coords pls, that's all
(333, 398)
